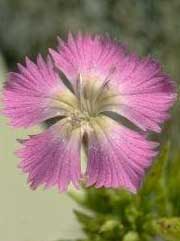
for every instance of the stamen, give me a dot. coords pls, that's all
(103, 88)
(89, 92)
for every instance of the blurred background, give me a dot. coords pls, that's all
(28, 27)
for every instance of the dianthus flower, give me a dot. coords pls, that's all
(82, 86)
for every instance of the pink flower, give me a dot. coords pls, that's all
(94, 81)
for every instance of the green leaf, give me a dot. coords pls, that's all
(131, 236)
(78, 196)
(156, 173)
(111, 225)
(101, 226)
(168, 228)
(154, 194)
(173, 184)
(83, 218)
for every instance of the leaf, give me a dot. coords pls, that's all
(154, 194)
(168, 228)
(90, 224)
(78, 196)
(157, 171)
(131, 236)
(83, 218)
(101, 226)
(111, 225)
(173, 184)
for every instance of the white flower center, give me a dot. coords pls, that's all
(92, 97)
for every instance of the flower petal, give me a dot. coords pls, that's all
(87, 55)
(31, 95)
(117, 156)
(52, 157)
(146, 93)
(142, 92)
